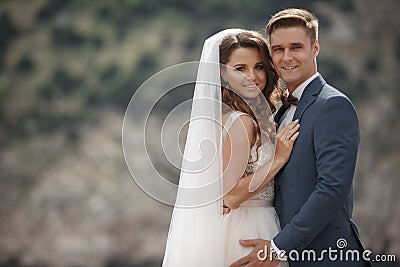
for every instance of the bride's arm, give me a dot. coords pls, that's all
(235, 164)
(236, 150)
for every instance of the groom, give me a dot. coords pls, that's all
(313, 192)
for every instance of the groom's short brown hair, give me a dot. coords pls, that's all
(292, 17)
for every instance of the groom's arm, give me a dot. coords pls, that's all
(336, 139)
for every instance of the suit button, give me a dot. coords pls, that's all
(277, 188)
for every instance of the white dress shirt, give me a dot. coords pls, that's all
(288, 115)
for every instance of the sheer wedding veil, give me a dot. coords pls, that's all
(196, 234)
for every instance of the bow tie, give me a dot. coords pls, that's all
(288, 100)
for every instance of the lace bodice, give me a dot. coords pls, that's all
(265, 153)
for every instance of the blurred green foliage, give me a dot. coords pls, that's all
(8, 32)
(91, 54)
(64, 61)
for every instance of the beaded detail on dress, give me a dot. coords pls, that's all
(256, 160)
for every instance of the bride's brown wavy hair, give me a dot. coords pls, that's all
(272, 91)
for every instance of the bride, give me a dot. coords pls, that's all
(231, 155)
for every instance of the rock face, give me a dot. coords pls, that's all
(84, 208)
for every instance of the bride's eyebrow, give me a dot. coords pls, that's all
(239, 65)
(244, 65)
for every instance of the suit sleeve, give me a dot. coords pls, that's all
(336, 139)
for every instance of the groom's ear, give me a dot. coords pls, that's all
(316, 48)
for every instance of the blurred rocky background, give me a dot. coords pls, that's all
(68, 69)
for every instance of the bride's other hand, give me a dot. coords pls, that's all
(225, 209)
(285, 139)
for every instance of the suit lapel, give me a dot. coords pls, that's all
(279, 114)
(308, 97)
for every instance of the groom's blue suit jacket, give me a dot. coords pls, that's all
(313, 192)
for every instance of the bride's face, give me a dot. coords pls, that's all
(245, 73)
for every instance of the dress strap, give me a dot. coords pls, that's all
(231, 119)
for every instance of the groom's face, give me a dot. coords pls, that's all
(293, 55)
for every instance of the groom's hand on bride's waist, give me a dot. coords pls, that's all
(260, 255)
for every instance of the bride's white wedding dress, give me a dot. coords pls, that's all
(256, 217)
(200, 235)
